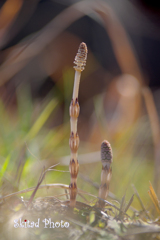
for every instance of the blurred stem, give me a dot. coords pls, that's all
(122, 47)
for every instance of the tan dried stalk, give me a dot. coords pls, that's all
(106, 173)
(80, 61)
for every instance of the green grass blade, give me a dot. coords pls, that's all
(42, 119)
(4, 166)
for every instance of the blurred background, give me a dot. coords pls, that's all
(119, 93)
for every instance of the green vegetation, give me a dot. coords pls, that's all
(28, 143)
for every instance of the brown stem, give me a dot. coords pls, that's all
(80, 61)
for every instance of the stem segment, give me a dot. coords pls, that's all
(80, 61)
